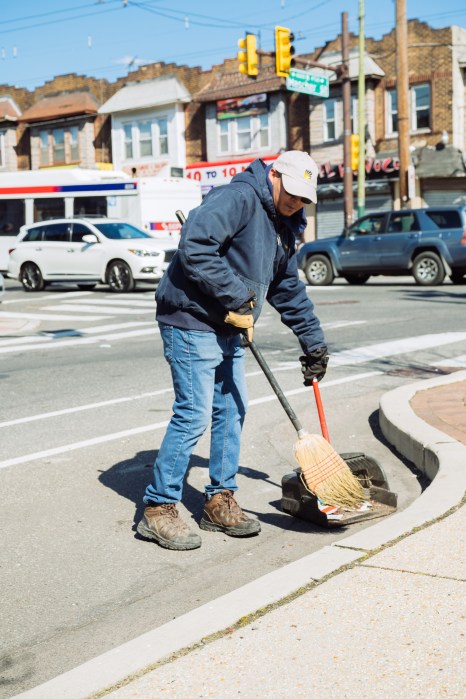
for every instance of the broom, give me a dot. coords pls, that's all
(323, 471)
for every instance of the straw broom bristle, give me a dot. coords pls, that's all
(325, 473)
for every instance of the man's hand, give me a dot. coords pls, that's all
(314, 365)
(242, 316)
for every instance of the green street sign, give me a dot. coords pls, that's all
(304, 81)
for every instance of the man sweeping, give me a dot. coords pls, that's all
(237, 250)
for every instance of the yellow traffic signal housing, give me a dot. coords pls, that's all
(354, 151)
(247, 57)
(284, 51)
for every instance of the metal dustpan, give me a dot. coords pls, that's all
(298, 501)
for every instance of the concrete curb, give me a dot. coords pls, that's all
(439, 456)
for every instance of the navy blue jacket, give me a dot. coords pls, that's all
(233, 242)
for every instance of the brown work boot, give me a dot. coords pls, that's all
(163, 524)
(223, 514)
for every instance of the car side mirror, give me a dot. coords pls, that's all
(90, 238)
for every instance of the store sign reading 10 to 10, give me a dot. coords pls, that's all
(214, 174)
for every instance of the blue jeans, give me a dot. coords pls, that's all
(210, 388)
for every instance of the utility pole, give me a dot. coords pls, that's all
(361, 116)
(402, 89)
(346, 92)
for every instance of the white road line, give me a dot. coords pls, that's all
(113, 310)
(50, 297)
(55, 316)
(116, 326)
(51, 337)
(134, 303)
(47, 453)
(80, 408)
(80, 445)
(59, 344)
(358, 355)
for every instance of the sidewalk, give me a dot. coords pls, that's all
(375, 615)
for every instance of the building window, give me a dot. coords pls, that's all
(392, 112)
(58, 136)
(330, 130)
(128, 135)
(74, 143)
(44, 147)
(420, 107)
(163, 136)
(58, 146)
(243, 134)
(264, 131)
(354, 115)
(224, 133)
(145, 138)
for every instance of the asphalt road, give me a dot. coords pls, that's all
(86, 394)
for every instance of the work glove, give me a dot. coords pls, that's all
(242, 317)
(314, 365)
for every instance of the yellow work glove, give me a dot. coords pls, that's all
(242, 318)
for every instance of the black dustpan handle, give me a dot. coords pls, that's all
(274, 383)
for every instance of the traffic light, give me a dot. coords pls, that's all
(354, 151)
(247, 57)
(284, 51)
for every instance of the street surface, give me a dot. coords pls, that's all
(86, 395)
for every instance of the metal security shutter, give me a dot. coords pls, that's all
(330, 219)
(446, 197)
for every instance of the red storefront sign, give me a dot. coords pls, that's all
(212, 174)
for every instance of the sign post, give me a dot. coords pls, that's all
(306, 82)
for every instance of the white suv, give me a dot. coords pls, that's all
(87, 251)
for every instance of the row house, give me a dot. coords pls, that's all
(166, 119)
(148, 127)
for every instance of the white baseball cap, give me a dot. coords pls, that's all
(299, 174)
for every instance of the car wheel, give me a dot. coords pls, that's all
(458, 278)
(428, 269)
(356, 278)
(119, 277)
(318, 270)
(31, 277)
(87, 287)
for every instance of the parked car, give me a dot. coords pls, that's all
(87, 251)
(2, 287)
(427, 243)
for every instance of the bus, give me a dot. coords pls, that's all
(30, 196)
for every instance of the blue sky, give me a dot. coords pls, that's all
(100, 38)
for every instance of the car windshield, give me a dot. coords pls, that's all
(120, 231)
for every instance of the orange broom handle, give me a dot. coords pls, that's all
(320, 410)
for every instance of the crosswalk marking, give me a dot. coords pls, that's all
(90, 308)
(55, 316)
(132, 303)
(59, 344)
(358, 355)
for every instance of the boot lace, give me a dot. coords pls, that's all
(230, 501)
(169, 509)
